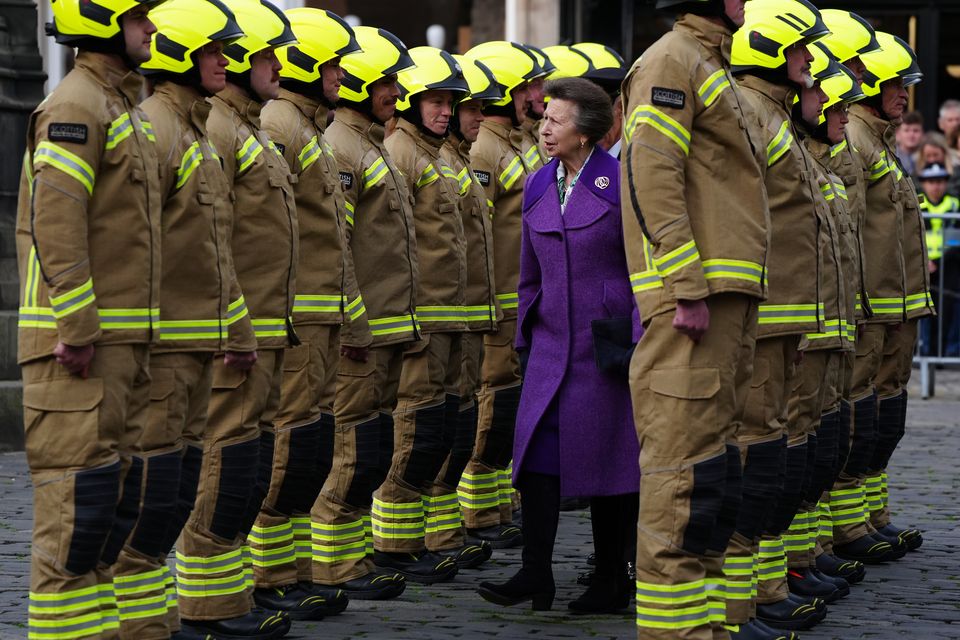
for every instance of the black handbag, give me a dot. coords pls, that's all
(613, 344)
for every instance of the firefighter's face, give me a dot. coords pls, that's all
(893, 98)
(213, 67)
(436, 109)
(138, 32)
(384, 94)
(331, 74)
(265, 74)
(811, 104)
(837, 120)
(471, 116)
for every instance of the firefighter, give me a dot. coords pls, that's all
(609, 70)
(833, 434)
(482, 311)
(533, 154)
(203, 309)
(214, 573)
(772, 62)
(851, 36)
(496, 158)
(567, 61)
(891, 71)
(88, 252)
(881, 367)
(381, 242)
(696, 234)
(326, 288)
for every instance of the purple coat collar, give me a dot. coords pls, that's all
(596, 191)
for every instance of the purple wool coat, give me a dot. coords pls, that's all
(573, 270)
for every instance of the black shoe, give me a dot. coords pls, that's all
(374, 586)
(910, 537)
(899, 546)
(522, 587)
(601, 599)
(819, 604)
(592, 559)
(186, 633)
(336, 599)
(259, 624)
(756, 630)
(423, 567)
(469, 556)
(301, 602)
(850, 570)
(786, 614)
(500, 536)
(806, 583)
(842, 586)
(864, 549)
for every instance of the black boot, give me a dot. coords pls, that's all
(259, 624)
(865, 549)
(756, 630)
(912, 538)
(540, 495)
(805, 583)
(423, 567)
(787, 614)
(499, 536)
(613, 520)
(470, 555)
(843, 587)
(374, 586)
(850, 570)
(774, 634)
(898, 546)
(301, 602)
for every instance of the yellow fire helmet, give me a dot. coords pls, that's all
(183, 28)
(75, 20)
(825, 64)
(609, 67)
(512, 65)
(322, 36)
(543, 60)
(480, 81)
(435, 69)
(570, 63)
(841, 86)
(383, 55)
(850, 35)
(894, 59)
(264, 26)
(770, 27)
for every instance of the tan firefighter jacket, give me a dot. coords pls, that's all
(497, 162)
(529, 140)
(265, 234)
(441, 246)
(202, 306)
(327, 290)
(480, 296)
(797, 209)
(380, 234)
(895, 290)
(88, 217)
(691, 180)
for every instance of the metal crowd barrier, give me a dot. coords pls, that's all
(937, 327)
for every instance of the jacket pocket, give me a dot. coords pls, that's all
(161, 432)
(688, 383)
(62, 422)
(296, 358)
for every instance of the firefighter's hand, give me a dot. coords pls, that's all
(692, 318)
(240, 360)
(931, 266)
(358, 354)
(75, 359)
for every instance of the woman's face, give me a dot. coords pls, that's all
(932, 153)
(558, 134)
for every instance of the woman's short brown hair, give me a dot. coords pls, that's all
(594, 111)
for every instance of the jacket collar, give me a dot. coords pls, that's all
(782, 94)
(243, 104)
(186, 102)
(500, 130)
(312, 109)
(819, 149)
(713, 36)
(529, 125)
(124, 81)
(361, 124)
(430, 144)
(598, 176)
(881, 126)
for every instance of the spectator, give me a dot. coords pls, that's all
(949, 121)
(933, 150)
(909, 135)
(945, 329)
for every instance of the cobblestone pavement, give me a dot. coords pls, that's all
(918, 596)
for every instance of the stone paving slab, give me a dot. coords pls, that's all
(917, 598)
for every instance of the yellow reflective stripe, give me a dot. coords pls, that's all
(531, 158)
(236, 310)
(879, 168)
(128, 318)
(200, 565)
(70, 601)
(677, 259)
(735, 269)
(645, 280)
(28, 169)
(833, 328)
(508, 300)
(390, 325)
(147, 128)
(428, 176)
(375, 173)
(465, 181)
(309, 154)
(71, 164)
(886, 306)
(356, 308)
(480, 312)
(840, 190)
(73, 300)
(269, 327)
(84, 626)
(513, 171)
(32, 285)
(212, 151)
(788, 313)
(441, 313)
(190, 161)
(713, 86)
(317, 303)
(780, 144)
(248, 153)
(918, 301)
(118, 131)
(838, 148)
(327, 149)
(650, 115)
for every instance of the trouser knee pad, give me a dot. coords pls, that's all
(807, 481)
(462, 446)
(161, 489)
(385, 451)
(296, 492)
(864, 437)
(427, 452)
(128, 509)
(792, 494)
(499, 447)
(706, 499)
(95, 496)
(890, 430)
(762, 485)
(826, 465)
(843, 435)
(366, 464)
(731, 503)
(238, 474)
(186, 495)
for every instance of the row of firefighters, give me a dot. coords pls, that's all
(283, 343)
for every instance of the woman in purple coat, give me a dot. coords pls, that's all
(574, 432)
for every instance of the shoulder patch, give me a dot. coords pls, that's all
(346, 180)
(483, 177)
(67, 132)
(673, 98)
